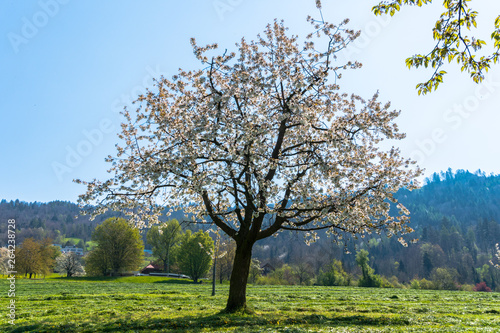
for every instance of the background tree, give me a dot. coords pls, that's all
(225, 263)
(163, 239)
(29, 258)
(69, 263)
(49, 254)
(497, 255)
(4, 260)
(452, 42)
(36, 257)
(255, 271)
(427, 263)
(96, 263)
(368, 279)
(444, 278)
(482, 287)
(333, 274)
(194, 254)
(283, 275)
(119, 247)
(261, 142)
(304, 272)
(81, 244)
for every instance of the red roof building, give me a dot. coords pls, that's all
(151, 268)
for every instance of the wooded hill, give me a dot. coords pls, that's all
(455, 216)
(456, 219)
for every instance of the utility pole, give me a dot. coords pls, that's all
(213, 274)
(216, 254)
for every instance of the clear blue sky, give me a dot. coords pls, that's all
(68, 66)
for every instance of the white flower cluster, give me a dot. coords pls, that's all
(261, 141)
(497, 254)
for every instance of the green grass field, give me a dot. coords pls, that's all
(155, 304)
(89, 245)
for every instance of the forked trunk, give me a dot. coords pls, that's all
(237, 300)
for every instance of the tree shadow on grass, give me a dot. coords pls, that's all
(175, 281)
(122, 279)
(88, 278)
(198, 324)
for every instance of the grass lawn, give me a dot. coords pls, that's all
(156, 304)
(89, 245)
(72, 239)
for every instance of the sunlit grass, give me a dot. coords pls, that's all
(156, 304)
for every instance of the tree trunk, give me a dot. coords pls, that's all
(168, 261)
(237, 300)
(165, 266)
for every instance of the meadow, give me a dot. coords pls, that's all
(156, 304)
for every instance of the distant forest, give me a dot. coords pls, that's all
(455, 216)
(456, 221)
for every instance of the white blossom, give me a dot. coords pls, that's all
(259, 141)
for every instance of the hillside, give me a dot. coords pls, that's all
(41, 220)
(52, 219)
(456, 219)
(464, 197)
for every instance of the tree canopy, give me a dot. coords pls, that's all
(119, 248)
(36, 257)
(194, 254)
(4, 260)
(453, 42)
(258, 142)
(163, 239)
(29, 258)
(368, 278)
(69, 263)
(497, 255)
